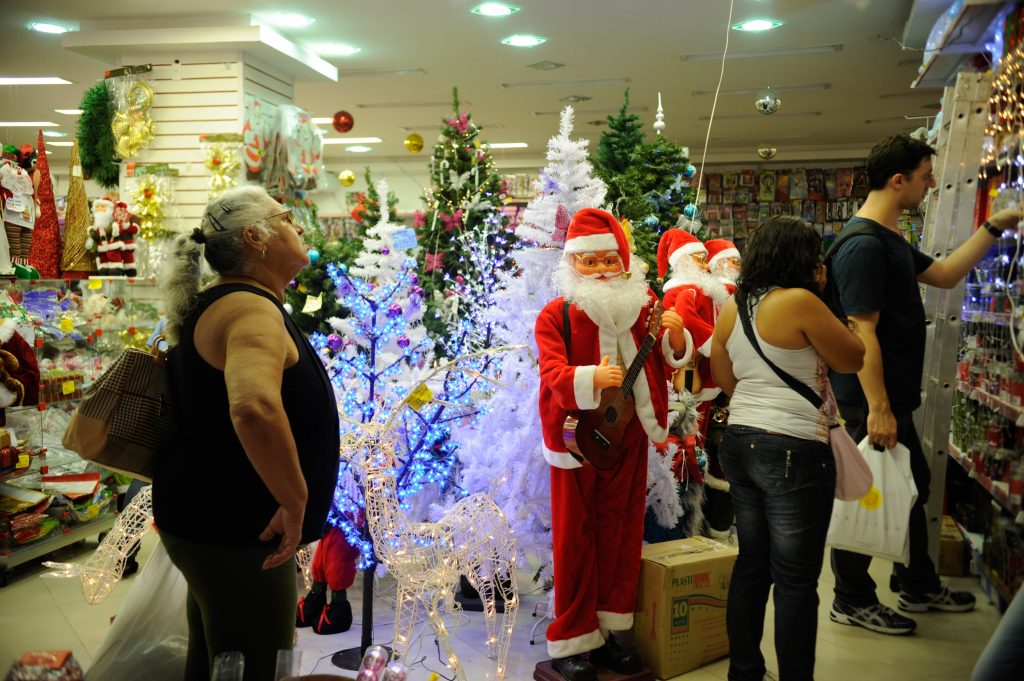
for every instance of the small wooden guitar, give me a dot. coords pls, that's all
(596, 435)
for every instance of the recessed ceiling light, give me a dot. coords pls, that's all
(60, 144)
(756, 25)
(359, 149)
(575, 99)
(27, 124)
(69, 112)
(351, 140)
(545, 65)
(566, 83)
(334, 49)
(44, 27)
(290, 19)
(494, 9)
(33, 81)
(508, 145)
(523, 41)
(54, 133)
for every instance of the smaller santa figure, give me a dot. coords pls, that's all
(724, 262)
(124, 227)
(100, 241)
(334, 569)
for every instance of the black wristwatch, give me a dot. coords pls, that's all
(997, 232)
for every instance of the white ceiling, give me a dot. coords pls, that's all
(639, 41)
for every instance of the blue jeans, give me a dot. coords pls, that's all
(782, 488)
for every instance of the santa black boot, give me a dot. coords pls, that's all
(336, 617)
(311, 605)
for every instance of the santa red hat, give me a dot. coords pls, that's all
(719, 249)
(676, 243)
(592, 230)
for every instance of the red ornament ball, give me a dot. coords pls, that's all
(343, 121)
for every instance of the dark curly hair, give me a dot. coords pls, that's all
(784, 251)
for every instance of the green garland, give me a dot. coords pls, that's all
(95, 138)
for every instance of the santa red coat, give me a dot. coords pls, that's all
(567, 384)
(699, 314)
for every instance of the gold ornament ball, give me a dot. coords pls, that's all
(413, 143)
(347, 178)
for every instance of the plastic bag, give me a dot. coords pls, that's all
(853, 474)
(878, 523)
(148, 640)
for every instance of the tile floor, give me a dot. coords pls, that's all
(47, 613)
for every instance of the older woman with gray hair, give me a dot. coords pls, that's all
(253, 470)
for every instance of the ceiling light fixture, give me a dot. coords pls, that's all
(545, 65)
(69, 112)
(758, 54)
(575, 99)
(44, 27)
(494, 9)
(289, 20)
(507, 145)
(757, 90)
(27, 124)
(351, 140)
(358, 149)
(33, 81)
(756, 25)
(523, 41)
(797, 114)
(60, 144)
(565, 83)
(334, 49)
(408, 105)
(637, 109)
(54, 133)
(361, 73)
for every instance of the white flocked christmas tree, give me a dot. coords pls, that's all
(503, 454)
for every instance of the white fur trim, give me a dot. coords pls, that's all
(591, 242)
(6, 397)
(129, 245)
(674, 282)
(110, 246)
(561, 459)
(615, 621)
(684, 250)
(705, 349)
(727, 253)
(7, 329)
(574, 646)
(670, 354)
(587, 396)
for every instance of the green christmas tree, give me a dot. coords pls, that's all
(624, 134)
(463, 205)
(312, 289)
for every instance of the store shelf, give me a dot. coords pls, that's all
(995, 489)
(57, 539)
(1010, 411)
(996, 589)
(997, 318)
(964, 38)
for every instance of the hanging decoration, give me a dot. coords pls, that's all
(767, 101)
(767, 151)
(76, 221)
(222, 157)
(133, 123)
(96, 138)
(347, 178)
(343, 121)
(413, 143)
(257, 131)
(151, 198)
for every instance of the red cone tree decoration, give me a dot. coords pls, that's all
(47, 248)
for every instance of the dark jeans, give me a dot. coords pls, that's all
(782, 488)
(854, 585)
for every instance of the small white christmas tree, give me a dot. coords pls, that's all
(381, 259)
(567, 181)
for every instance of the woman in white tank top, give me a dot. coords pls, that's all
(776, 451)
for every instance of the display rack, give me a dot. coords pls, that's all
(963, 38)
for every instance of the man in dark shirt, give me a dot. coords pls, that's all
(877, 276)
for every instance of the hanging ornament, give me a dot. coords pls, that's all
(767, 101)
(651, 220)
(223, 160)
(394, 310)
(343, 121)
(150, 198)
(133, 123)
(347, 178)
(413, 143)
(690, 171)
(314, 255)
(690, 210)
(334, 342)
(766, 151)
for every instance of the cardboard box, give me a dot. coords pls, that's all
(680, 614)
(952, 550)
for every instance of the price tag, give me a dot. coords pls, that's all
(67, 387)
(313, 304)
(22, 461)
(404, 240)
(76, 171)
(95, 284)
(66, 325)
(419, 397)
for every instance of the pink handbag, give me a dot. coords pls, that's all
(853, 474)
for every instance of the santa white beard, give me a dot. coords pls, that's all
(611, 302)
(686, 271)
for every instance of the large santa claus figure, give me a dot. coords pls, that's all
(587, 339)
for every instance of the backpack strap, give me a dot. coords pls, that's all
(802, 388)
(831, 293)
(566, 331)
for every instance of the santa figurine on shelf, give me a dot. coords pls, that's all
(124, 226)
(698, 295)
(588, 338)
(724, 262)
(112, 237)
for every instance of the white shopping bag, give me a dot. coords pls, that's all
(877, 524)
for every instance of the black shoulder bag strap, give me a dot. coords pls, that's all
(800, 387)
(566, 331)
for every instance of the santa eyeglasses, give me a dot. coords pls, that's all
(591, 260)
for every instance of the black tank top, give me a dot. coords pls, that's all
(204, 487)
